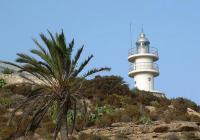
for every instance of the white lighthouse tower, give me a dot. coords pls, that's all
(143, 67)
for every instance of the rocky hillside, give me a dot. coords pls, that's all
(114, 112)
(157, 130)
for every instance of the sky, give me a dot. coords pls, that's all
(103, 26)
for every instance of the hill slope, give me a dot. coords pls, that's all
(114, 112)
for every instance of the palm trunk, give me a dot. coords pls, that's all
(63, 129)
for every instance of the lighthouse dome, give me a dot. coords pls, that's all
(142, 40)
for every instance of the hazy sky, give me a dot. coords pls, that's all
(172, 26)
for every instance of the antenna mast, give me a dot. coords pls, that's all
(131, 43)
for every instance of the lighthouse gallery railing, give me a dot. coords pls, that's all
(144, 66)
(135, 50)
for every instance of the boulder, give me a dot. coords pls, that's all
(161, 129)
(193, 112)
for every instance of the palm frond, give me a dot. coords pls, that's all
(38, 45)
(77, 56)
(82, 66)
(39, 115)
(12, 64)
(96, 70)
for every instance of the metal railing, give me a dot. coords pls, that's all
(144, 66)
(136, 50)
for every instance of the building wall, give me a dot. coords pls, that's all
(144, 60)
(144, 81)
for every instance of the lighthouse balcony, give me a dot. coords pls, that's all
(136, 52)
(143, 67)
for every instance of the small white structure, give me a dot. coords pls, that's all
(143, 67)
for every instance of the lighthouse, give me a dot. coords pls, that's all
(142, 60)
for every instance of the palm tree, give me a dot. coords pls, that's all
(58, 80)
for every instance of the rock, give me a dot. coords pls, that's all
(161, 129)
(10, 109)
(171, 106)
(184, 126)
(192, 112)
(34, 137)
(119, 124)
(150, 108)
(18, 113)
(17, 98)
(177, 130)
(173, 136)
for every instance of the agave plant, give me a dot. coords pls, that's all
(57, 79)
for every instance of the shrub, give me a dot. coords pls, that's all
(106, 120)
(125, 118)
(175, 115)
(173, 136)
(159, 113)
(4, 120)
(4, 92)
(182, 104)
(81, 123)
(198, 108)
(3, 110)
(49, 126)
(164, 102)
(143, 97)
(6, 131)
(16, 99)
(110, 84)
(21, 89)
(5, 102)
(194, 118)
(155, 104)
(2, 83)
(53, 112)
(113, 100)
(7, 71)
(132, 111)
(102, 86)
(145, 119)
(191, 136)
(84, 136)
(99, 112)
(106, 109)
(147, 98)
(121, 136)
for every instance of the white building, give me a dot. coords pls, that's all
(143, 67)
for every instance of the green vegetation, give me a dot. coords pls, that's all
(103, 109)
(145, 119)
(182, 104)
(5, 102)
(60, 72)
(155, 104)
(2, 83)
(7, 71)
